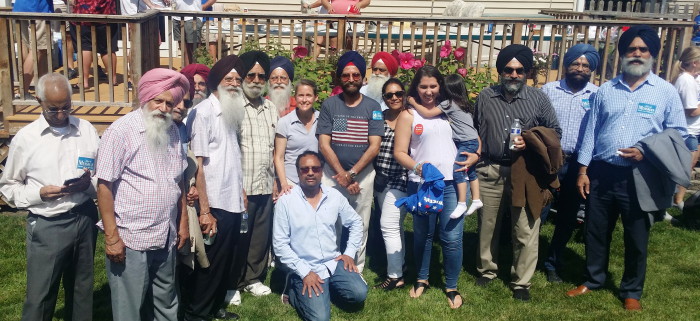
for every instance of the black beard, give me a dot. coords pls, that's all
(351, 91)
(577, 82)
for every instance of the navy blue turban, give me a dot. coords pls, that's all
(585, 50)
(646, 33)
(351, 57)
(284, 63)
(249, 60)
(522, 53)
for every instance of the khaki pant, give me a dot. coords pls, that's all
(42, 33)
(362, 203)
(496, 195)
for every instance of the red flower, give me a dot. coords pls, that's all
(446, 49)
(300, 52)
(459, 53)
(396, 54)
(462, 72)
(406, 60)
(418, 63)
(336, 90)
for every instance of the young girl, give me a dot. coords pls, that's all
(459, 112)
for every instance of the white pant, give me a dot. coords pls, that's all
(391, 223)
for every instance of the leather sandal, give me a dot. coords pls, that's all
(452, 295)
(420, 285)
(391, 283)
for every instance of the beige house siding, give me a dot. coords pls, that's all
(410, 7)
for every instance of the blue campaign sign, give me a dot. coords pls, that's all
(85, 162)
(646, 108)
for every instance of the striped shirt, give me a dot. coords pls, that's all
(257, 144)
(572, 111)
(145, 185)
(494, 116)
(621, 117)
(385, 164)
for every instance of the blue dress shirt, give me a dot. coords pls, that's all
(572, 111)
(620, 117)
(304, 238)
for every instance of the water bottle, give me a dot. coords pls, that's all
(515, 131)
(209, 238)
(244, 223)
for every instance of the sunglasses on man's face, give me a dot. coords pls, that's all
(397, 94)
(315, 169)
(346, 77)
(251, 76)
(509, 70)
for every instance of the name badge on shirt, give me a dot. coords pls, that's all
(85, 162)
(586, 104)
(377, 115)
(648, 109)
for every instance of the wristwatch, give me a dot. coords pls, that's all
(352, 174)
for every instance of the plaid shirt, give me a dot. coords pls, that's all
(385, 163)
(145, 184)
(257, 144)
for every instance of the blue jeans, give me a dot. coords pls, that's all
(470, 146)
(450, 237)
(692, 142)
(343, 287)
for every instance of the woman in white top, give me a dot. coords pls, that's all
(683, 77)
(418, 141)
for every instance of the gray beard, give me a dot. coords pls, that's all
(280, 97)
(510, 87)
(374, 86)
(252, 90)
(157, 136)
(232, 108)
(636, 70)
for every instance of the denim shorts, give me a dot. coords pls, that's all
(692, 142)
(470, 146)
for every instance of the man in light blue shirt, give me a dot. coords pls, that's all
(304, 239)
(570, 98)
(633, 106)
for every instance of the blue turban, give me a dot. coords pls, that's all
(646, 33)
(354, 58)
(284, 63)
(579, 50)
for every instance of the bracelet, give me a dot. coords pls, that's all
(582, 174)
(416, 167)
(207, 213)
(118, 239)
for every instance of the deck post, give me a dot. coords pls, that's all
(145, 54)
(6, 93)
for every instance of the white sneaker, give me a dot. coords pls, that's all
(258, 289)
(233, 297)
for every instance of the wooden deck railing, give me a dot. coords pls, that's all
(481, 37)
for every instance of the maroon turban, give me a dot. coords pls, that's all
(222, 68)
(158, 80)
(195, 69)
(391, 64)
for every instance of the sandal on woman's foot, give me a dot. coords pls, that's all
(452, 296)
(390, 284)
(420, 285)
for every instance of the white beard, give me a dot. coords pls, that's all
(636, 70)
(279, 95)
(374, 86)
(253, 90)
(232, 107)
(157, 136)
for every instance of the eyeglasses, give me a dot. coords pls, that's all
(233, 80)
(66, 110)
(201, 84)
(509, 70)
(315, 169)
(397, 94)
(634, 49)
(346, 77)
(575, 65)
(375, 69)
(159, 101)
(251, 76)
(187, 103)
(279, 78)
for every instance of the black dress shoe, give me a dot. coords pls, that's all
(553, 277)
(521, 294)
(222, 314)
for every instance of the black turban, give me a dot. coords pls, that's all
(351, 57)
(251, 57)
(522, 53)
(285, 64)
(646, 33)
(222, 68)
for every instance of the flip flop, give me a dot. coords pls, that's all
(452, 295)
(420, 285)
(391, 283)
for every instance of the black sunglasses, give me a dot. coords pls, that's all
(251, 76)
(509, 70)
(398, 94)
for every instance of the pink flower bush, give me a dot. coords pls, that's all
(417, 64)
(462, 72)
(446, 49)
(406, 60)
(300, 52)
(396, 54)
(336, 90)
(459, 53)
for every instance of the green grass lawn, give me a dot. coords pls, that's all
(672, 290)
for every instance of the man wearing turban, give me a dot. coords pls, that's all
(141, 197)
(350, 130)
(496, 109)
(214, 126)
(384, 66)
(281, 78)
(257, 143)
(197, 74)
(570, 98)
(633, 106)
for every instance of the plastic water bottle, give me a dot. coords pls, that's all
(244, 223)
(209, 238)
(515, 131)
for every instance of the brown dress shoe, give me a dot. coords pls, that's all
(632, 305)
(580, 290)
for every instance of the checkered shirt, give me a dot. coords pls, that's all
(257, 144)
(385, 163)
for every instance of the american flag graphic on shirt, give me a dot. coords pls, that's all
(350, 131)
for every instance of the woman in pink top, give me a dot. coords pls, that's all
(429, 140)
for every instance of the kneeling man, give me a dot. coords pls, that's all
(308, 247)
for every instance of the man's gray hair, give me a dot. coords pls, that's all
(51, 79)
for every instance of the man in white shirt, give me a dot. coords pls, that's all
(49, 173)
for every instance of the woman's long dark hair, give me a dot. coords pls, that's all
(456, 92)
(426, 71)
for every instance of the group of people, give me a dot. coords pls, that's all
(224, 172)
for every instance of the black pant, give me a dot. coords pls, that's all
(204, 289)
(612, 192)
(255, 245)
